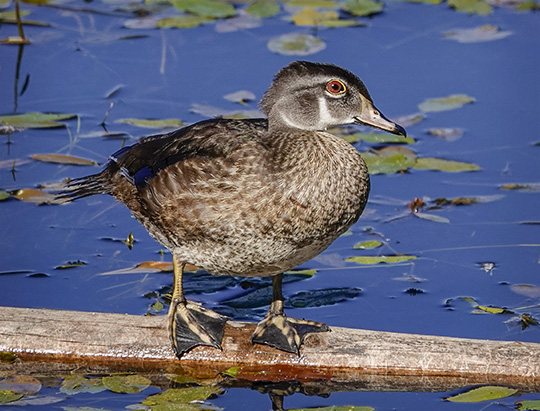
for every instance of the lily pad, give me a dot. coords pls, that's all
(182, 22)
(35, 120)
(7, 357)
(439, 164)
(330, 18)
(4, 195)
(296, 44)
(368, 245)
(451, 102)
(383, 138)
(7, 396)
(181, 398)
(32, 195)
(531, 291)
(63, 159)
(387, 164)
(363, 7)
(389, 259)
(126, 384)
(152, 123)
(263, 9)
(486, 393)
(207, 8)
(528, 405)
(493, 310)
(21, 384)
(487, 32)
(242, 22)
(479, 7)
(76, 384)
(431, 217)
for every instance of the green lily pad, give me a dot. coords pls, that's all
(7, 396)
(296, 44)
(4, 195)
(76, 384)
(152, 123)
(7, 357)
(383, 138)
(126, 384)
(528, 405)
(389, 259)
(439, 164)
(35, 120)
(363, 7)
(263, 9)
(184, 397)
(387, 164)
(206, 8)
(450, 102)
(368, 245)
(480, 7)
(487, 32)
(486, 393)
(183, 22)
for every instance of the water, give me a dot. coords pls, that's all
(74, 65)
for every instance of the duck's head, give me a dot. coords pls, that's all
(314, 96)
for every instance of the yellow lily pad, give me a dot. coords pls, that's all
(263, 9)
(388, 259)
(152, 123)
(363, 7)
(182, 22)
(439, 164)
(32, 195)
(35, 120)
(528, 405)
(368, 245)
(7, 396)
(480, 7)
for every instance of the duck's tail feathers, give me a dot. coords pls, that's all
(83, 187)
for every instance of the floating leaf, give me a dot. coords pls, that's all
(531, 291)
(368, 245)
(448, 134)
(521, 187)
(308, 273)
(206, 8)
(451, 102)
(71, 264)
(182, 22)
(4, 195)
(330, 18)
(387, 164)
(174, 397)
(8, 396)
(320, 298)
(145, 267)
(35, 120)
(487, 32)
(431, 217)
(77, 384)
(32, 195)
(463, 201)
(157, 306)
(7, 357)
(22, 384)
(126, 384)
(486, 393)
(439, 164)
(378, 138)
(240, 96)
(63, 159)
(152, 123)
(363, 7)
(528, 405)
(263, 9)
(480, 7)
(389, 259)
(242, 22)
(494, 310)
(296, 44)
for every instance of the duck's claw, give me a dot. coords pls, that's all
(283, 333)
(191, 325)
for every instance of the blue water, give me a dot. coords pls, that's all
(403, 59)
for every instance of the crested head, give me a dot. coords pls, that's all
(315, 96)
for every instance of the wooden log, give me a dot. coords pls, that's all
(49, 340)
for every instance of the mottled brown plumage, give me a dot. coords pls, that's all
(250, 197)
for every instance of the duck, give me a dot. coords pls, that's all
(249, 197)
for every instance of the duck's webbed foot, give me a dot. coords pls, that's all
(191, 325)
(283, 333)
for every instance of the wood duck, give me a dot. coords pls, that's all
(253, 197)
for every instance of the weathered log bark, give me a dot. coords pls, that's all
(59, 341)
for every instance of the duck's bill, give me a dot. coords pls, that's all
(374, 118)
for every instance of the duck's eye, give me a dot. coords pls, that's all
(335, 87)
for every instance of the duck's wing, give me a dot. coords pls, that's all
(136, 165)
